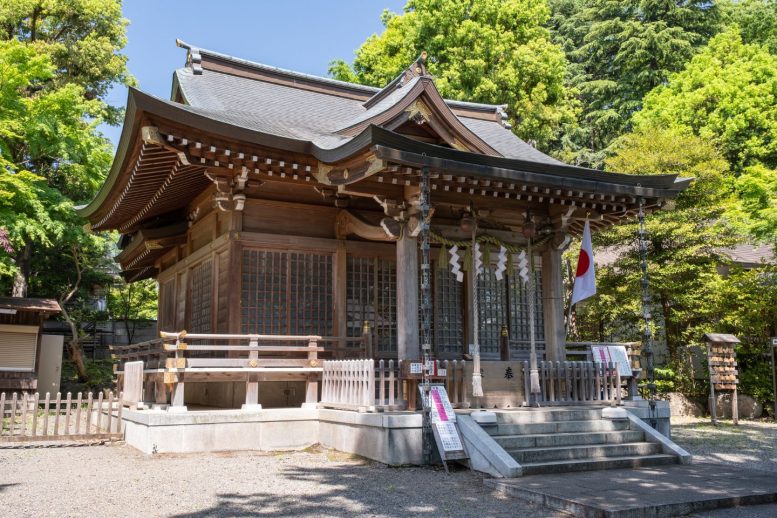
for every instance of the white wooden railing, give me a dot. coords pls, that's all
(570, 383)
(369, 386)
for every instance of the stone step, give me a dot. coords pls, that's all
(545, 415)
(561, 466)
(514, 442)
(599, 425)
(567, 453)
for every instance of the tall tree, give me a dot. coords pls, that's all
(620, 50)
(726, 95)
(58, 58)
(491, 51)
(756, 19)
(683, 248)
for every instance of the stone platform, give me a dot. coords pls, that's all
(674, 490)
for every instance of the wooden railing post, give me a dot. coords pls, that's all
(252, 384)
(311, 385)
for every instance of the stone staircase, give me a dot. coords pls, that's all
(549, 440)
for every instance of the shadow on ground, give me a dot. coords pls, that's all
(346, 490)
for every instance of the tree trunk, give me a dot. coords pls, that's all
(74, 347)
(21, 279)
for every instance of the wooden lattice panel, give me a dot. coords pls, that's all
(202, 298)
(288, 293)
(371, 288)
(519, 309)
(448, 313)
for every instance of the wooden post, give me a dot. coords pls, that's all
(177, 398)
(735, 407)
(408, 347)
(713, 410)
(252, 384)
(311, 385)
(553, 304)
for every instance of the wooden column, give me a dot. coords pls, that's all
(252, 384)
(407, 297)
(553, 304)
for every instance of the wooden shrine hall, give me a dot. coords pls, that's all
(271, 202)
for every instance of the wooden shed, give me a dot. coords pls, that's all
(20, 340)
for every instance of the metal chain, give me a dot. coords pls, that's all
(647, 341)
(426, 312)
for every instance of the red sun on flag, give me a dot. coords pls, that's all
(585, 277)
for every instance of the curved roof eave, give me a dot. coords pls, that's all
(139, 103)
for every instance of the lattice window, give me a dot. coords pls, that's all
(310, 294)
(286, 293)
(519, 310)
(202, 297)
(492, 310)
(448, 313)
(372, 296)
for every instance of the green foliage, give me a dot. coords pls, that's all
(756, 19)
(726, 95)
(619, 50)
(81, 38)
(665, 380)
(128, 303)
(683, 248)
(491, 51)
(58, 58)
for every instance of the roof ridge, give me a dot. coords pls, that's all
(194, 58)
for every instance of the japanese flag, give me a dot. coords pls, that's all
(585, 279)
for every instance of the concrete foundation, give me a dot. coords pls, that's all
(662, 415)
(393, 439)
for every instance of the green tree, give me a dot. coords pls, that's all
(619, 50)
(491, 51)
(726, 95)
(684, 243)
(756, 19)
(58, 58)
(128, 303)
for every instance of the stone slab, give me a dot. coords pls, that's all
(645, 492)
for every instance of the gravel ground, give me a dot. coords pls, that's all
(751, 444)
(117, 480)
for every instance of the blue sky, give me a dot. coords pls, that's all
(302, 35)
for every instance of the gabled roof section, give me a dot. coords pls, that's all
(328, 112)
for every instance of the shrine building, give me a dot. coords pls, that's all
(267, 202)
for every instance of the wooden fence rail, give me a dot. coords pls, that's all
(570, 383)
(368, 386)
(28, 417)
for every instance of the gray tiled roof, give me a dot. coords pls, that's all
(304, 114)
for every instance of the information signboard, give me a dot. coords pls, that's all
(446, 435)
(613, 353)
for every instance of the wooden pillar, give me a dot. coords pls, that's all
(177, 398)
(407, 297)
(252, 384)
(553, 304)
(340, 291)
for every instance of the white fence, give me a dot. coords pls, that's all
(28, 417)
(364, 386)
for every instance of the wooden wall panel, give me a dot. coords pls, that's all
(289, 219)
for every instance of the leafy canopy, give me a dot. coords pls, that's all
(726, 95)
(619, 50)
(490, 51)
